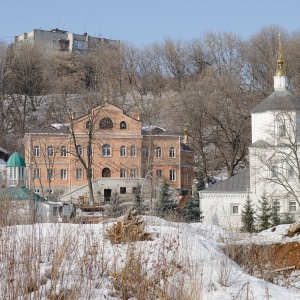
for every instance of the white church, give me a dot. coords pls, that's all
(274, 169)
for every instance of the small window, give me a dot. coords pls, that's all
(282, 130)
(274, 171)
(145, 152)
(123, 151)
(132, 151)
(79, 150)
(123, 173)
(63, 174)
(158, 152)
(159, 175)
(172, 175)
(292, 206)
(122, 190)
(106, 123)
(133, 173)
(50, 151)
(106, 151)
(234, 209)
(50, 174)
(36, 173)
(290, 170)
(276, 205)
(88, 125)
(37, 191)
(78, 174)
(36, 151)
(123, 125)
(172, 152)
(63, 151)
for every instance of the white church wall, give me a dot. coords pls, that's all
(222, 209)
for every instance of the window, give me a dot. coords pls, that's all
(50, 151)
(292, 206)
(79, 150)
(123, 151)
(290, 170)
(37, 191)
(106, 123)
(145, 152)
(36, 151)
(106, 172)
(63, 174)
(36, 173)
(133, 173)
(158, 152)
(89, 151)
(123, 125)
(50, 174)
(172, 175)
(122, 190)
(78, 174)
(106, 150)
(276, 205)
(188, 177)
(274, 171)
(122, 173)
(282, 130)
(172, 152)
(63, 151)
(159, 175)
(133, 151)
(235, 209)
(88, 125)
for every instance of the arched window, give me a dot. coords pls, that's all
(50, 151)
(106, 151)
(106, 123)
(36, 151)
(88, 124)
(172, 152)
(106, 172)
(79, 150)
(133, 151)
(122, 150)
(158, 152)
(63, 151)
(123, 125)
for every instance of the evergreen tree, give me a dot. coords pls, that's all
(191, 212)
(265, 215)
(275, 218)
(138, 201)
(288, 218)
(165, 205)
(248, 218)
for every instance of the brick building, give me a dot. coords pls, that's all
(122, 154)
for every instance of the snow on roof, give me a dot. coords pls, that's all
(59, 125)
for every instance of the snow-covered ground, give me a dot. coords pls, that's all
(44, 260)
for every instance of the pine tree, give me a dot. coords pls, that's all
(265, 215)
(191, 212)
(248, 218)
(138, 201)
(288, 218)
(275, 218)
(165, 205)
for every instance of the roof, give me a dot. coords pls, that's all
(20, 193)
(260, 144)
(237, 183)
(16, 160)
(185, 147)
(278, 100)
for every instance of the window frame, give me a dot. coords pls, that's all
(172, 152)
(133, 173)
(50, 174)
(63, 174)
(122, 173)
(106, 123)
(50, 151)
(172, 174)
(133, 151)
(63, 151)
(158, 152)
(123, 125)
(79, 150)
(36, 173)
(159, 174)
(79, 171)
(106, 150)
(36, 151)
(294, 206)
(123, 151)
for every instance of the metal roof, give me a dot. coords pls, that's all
(237, 183)
(20, 193)
(16, 160)
(278, 100)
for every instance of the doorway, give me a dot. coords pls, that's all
(107, 195)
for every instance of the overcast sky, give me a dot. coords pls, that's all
(142, 22)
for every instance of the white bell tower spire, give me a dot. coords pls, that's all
(280, 78)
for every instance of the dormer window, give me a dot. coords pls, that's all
(123, 125)
(106, 123)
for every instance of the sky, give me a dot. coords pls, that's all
(143, 22)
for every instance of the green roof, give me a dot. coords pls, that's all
(19, 193)
(16, 160)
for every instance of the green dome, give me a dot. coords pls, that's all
(16, 160)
